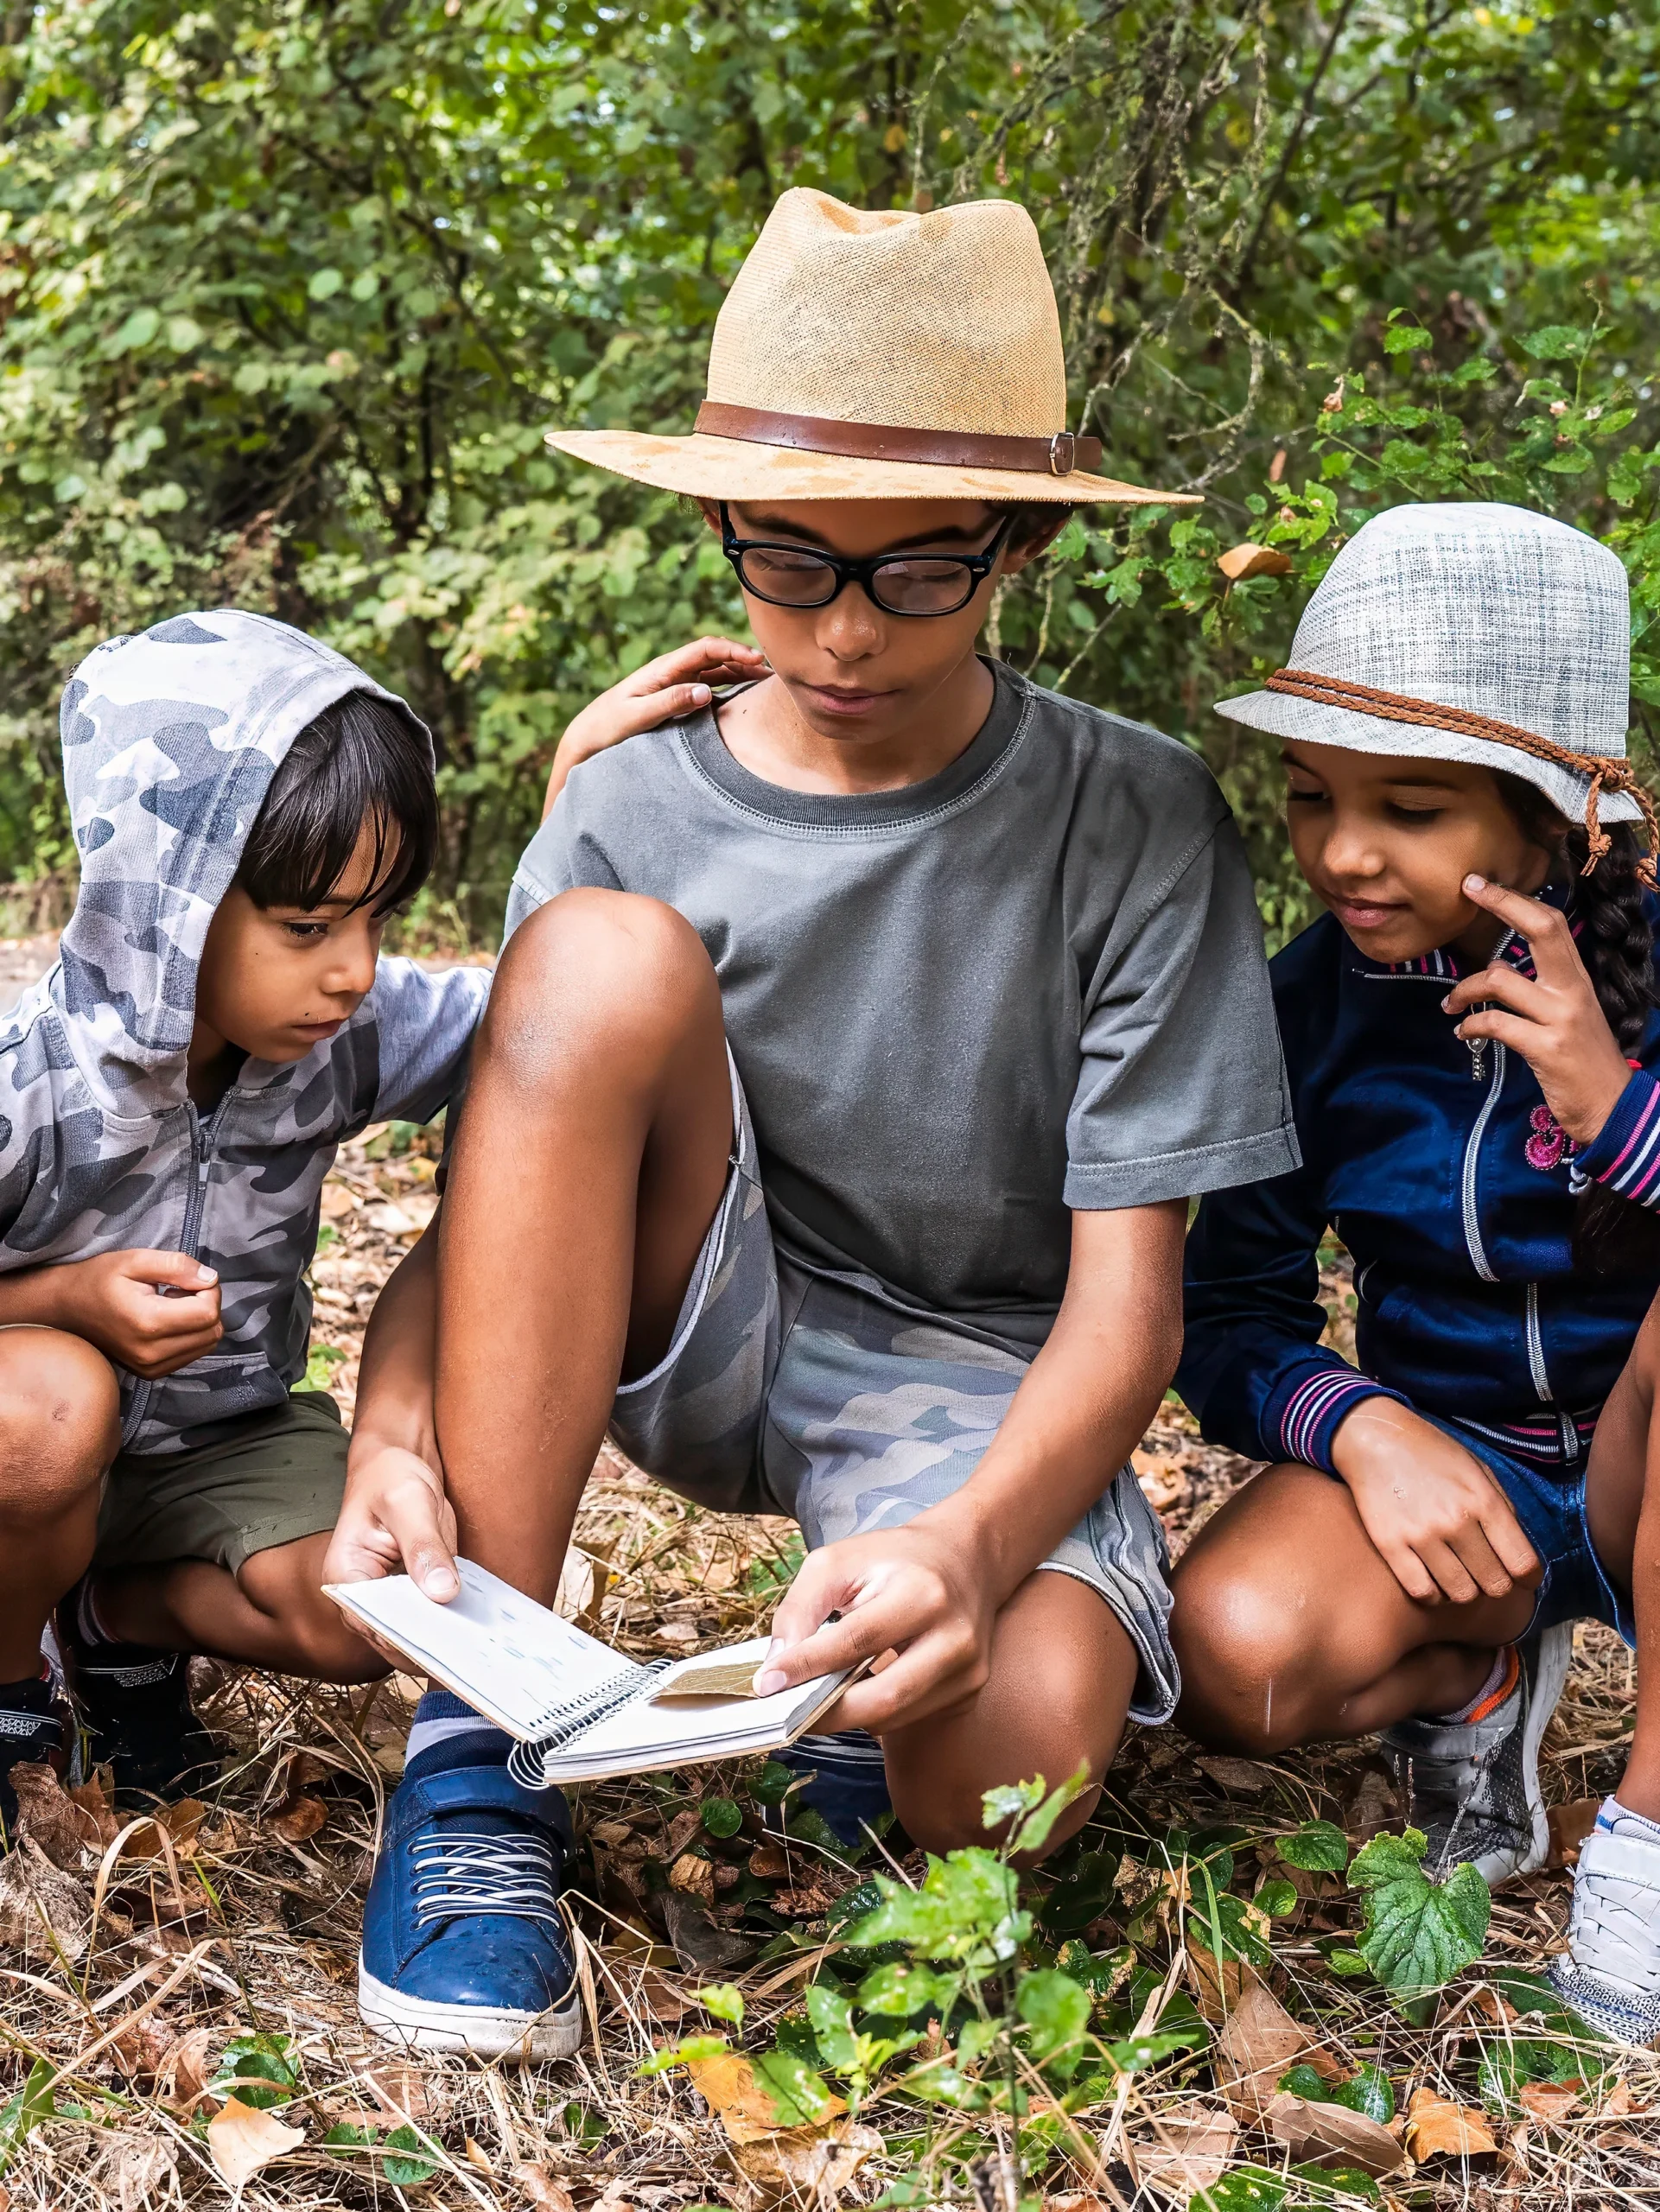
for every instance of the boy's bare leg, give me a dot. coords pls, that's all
(271, 1613)
(591, 1157)
(1290, 1628)
(1622, 1510)
(60, 1428)
(1062, 1671)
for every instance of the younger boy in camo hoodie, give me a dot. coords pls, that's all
(249, 809)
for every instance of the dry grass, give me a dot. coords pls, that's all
(250, 1922)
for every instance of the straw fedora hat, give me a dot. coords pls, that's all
(865, 353)
(1470, 631)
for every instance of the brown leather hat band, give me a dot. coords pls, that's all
(1056, 456)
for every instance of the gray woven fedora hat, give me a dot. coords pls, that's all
(1491, 614)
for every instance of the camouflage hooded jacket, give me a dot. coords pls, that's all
(170, 741)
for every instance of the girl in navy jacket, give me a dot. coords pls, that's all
(1473, 1069)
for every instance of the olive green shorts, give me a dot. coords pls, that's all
(273, 1479)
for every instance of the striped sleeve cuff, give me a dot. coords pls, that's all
(1625, 1153)
(1315, 1407)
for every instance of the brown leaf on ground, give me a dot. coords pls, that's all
(41, 1907)
(698, 1944)
(1163, 1481)
(611, 1833)
(681, 1828)
(184, 2070)
(810, 1900)
(241, 2141)
(1240, 1777)
(1258, 2042)
(693, 1875)
(50, 1816)
(769, 1861)
(1321, 2130)
(1190, 2149)
(136, 2168)
(1240, 561)
(181, 1823)
(94, 1800)
(727, 2084)
(1437, 2128)
(539, 2189)
(400, 2091)
(663, 1999)
(299, 1819)
(1552, 2102)
(1570, 1824)
(808, 2166)
(1218, 1991)
(1374, 1804)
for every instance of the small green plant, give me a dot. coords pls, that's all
(401, 2158)
(320, 1367)
(1417, 1934)
(259, 2069)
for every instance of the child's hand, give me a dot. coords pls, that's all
(674, 683)
(394, 1519)
(1555, 1024)
(911, 1589)
(1440, 1523)
(152, 1313)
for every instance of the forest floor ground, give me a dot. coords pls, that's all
(132, 1965)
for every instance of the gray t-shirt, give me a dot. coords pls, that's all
(1033, 982)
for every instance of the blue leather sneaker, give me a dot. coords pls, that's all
(464, 1947)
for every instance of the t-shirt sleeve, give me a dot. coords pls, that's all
(424, 1024)
(562, 854)
(1183, 1087)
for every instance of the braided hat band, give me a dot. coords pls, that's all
(1606, 772)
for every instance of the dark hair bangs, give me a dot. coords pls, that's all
(363, 761)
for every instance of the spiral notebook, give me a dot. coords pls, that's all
(578, 1710)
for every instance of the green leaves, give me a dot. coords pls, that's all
(1033, 1812)
(1417, 1934)
(722, 1816)
(1056, 2009)
(260, 2069)
(1317, 1847)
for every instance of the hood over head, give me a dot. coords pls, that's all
(170, 741)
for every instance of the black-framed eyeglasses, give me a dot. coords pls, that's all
(899, 583)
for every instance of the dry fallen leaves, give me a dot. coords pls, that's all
(1259, 2041)
(538, 2188)
(1551, 2102)
(136, 2168)
(1438, 2128)
(1190, 2148)
(1322, 2131)
(1570, 1824)
(43, 1910)
(299, 1819)
(808, 2165)
(50, 1817)
(241, 2141)
(727, 2084)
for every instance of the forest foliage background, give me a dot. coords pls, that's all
(291, 292)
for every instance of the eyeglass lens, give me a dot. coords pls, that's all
(793, 578)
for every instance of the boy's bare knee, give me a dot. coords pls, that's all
(1244, 1653)
(283, 1584)
(60, 1420)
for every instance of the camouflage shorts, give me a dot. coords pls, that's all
(814, 1395)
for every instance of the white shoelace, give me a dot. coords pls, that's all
(511, 1875)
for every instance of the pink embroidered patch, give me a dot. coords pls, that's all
(1548, 1143)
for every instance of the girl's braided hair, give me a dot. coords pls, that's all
(1612, 1237)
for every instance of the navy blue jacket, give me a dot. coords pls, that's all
(1455, 1195)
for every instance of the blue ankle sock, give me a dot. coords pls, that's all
(447, 1732)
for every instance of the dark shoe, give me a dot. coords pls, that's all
(464, 1945)
(137, 1716)
(1471, 1787)
(846, 1783)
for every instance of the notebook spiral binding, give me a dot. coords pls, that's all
(562, 1724)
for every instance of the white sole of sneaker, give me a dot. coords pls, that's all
(420, 2023)
(1555, 1658)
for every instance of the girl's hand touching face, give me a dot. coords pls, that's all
(1554, 1023)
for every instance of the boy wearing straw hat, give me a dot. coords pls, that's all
(858, 1045)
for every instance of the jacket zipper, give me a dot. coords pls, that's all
(194, 1192)
(1472, 1155)
(1540, 1375)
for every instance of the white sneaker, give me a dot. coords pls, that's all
(1610, 1974)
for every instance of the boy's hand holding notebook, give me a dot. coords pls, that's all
(579, 1710)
